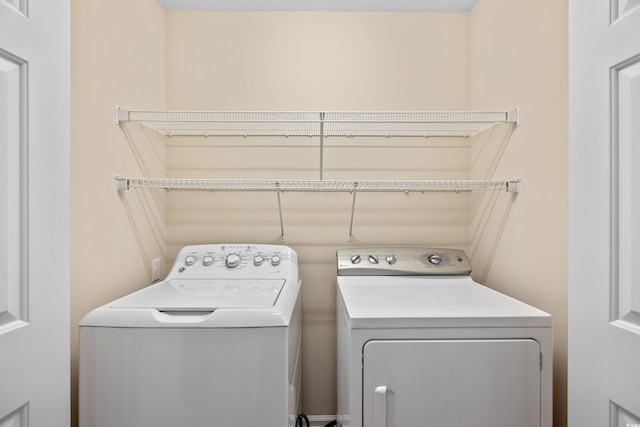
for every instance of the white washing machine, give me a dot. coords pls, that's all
(217, 343)
(421, 344)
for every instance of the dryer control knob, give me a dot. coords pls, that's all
(373, 259)
(189, 260)
(275, 260)
(391, 259)
(355, 259)
(435, 259)
(258, 260)
(233, 260)
(207, 260)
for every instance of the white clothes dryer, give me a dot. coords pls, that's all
(217, 343)
(421, 344)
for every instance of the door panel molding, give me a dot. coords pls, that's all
(21, 7)
(17, 418)
(625, 203)
(623, 8)
(620, 417)
(13, 209)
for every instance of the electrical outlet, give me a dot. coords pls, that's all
(155, 270)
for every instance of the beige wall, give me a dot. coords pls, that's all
(519, 56)
(319, 61)
(316, 60)
(117, 58)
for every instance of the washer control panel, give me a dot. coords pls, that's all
(402, 262)
(233, 261)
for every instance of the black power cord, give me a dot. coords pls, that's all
(301, 417)
(299, 420)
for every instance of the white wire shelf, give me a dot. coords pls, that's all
(511, 186)
(315, 124)
(353, 187)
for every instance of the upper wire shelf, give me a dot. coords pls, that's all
(314, 124)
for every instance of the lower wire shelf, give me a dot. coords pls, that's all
(510, 186)
(352, 186)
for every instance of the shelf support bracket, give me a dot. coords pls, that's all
(353, 209)
(122, 183)
(278, 190)
(121, 115)
(513, 186)
(513, 116)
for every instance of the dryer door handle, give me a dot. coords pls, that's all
(380, 406)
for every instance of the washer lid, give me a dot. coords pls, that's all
(428, 302)
(201, 295)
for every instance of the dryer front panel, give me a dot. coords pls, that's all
(447, 383)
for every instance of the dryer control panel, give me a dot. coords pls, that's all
(402, 262)
(234, 261)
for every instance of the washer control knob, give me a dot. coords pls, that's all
(189, 260)
(233, 260)
(355, 259)
(391, 259)
(435, 259)
(275, 260)
(207, 260)
(373, 259)
(258, 260)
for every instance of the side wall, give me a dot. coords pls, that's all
(519, 55)
(317, 61)
(118, 57)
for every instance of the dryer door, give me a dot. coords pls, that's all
(447, 383)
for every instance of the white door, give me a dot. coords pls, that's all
(34, 213)
(604, 205)
(451, 383)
